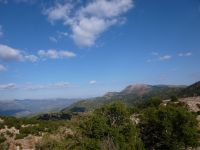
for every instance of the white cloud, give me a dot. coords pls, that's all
(54, 54)
(9, 53)
(92, 82)
(2, 68)
(59, 12)
(7, 86)
(31, 58)
(89, 21)
(165, 57)
(53, 39)
(61, 34)
(158, 57)
(185, 54)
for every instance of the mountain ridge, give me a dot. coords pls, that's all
(136, 93)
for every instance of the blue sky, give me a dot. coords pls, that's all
(74, 48)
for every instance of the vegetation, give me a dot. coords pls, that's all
(170, 127)
(147, 125)
(174, 98)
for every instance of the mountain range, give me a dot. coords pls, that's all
(137, 93)
(131, 95)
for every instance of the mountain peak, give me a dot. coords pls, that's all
(137, 89)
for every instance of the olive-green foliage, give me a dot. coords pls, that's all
(34, 126)
(174, 99)
(4, 146)
(2, 138)
(153, 102)
(50, 144)
(110, 126)
(168, 128)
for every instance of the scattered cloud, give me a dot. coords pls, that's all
(92, 82)
(1, 31)
(165, 57)
(31, 58)
(9, 53)
(187, 54)
(89, 21)
(155, 53)
(158, 57)
(62, 34)
(2, 68)
(53, 39)
(7, 86)
(59, 35)
(54, 54)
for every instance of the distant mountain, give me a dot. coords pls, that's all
(28, 107)
(131, 95)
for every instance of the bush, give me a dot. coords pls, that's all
(174, 99)
(111, 124)
(169, 128)
(153, 102)
(2, 138)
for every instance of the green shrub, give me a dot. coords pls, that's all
(2, 138)
(169, 128)
(174, 99)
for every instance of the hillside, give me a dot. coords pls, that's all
(192, 90)
(134, 94)
(111, 125)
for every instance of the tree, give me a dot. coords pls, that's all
(110, 128)
(168, 128)
(153, 102)
(174, 99)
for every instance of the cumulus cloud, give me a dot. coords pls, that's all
(9, 53)
(7, 86)
(89, 21)
(185, 54)
(54, 54)
(2, 68)
(92, 82)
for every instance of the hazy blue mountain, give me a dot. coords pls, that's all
(30, 106)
